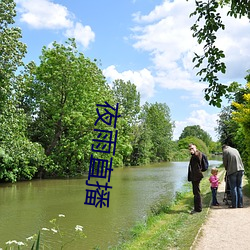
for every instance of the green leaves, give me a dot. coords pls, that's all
(196, 131)
(158, 128)
(208, 14)
(210, 63)
(239, 8)
(64, 91)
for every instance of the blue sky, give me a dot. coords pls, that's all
(148, 42)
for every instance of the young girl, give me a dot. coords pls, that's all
(214, 185)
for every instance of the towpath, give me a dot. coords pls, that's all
(225, 228)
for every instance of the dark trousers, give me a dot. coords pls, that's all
(197, 196)
(214, 196)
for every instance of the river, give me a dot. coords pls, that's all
(27, 207)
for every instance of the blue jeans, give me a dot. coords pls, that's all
(235, 182)
(214, 196)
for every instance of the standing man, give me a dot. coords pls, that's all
(195, 175)
(235, 170)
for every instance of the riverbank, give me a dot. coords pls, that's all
(171, 227)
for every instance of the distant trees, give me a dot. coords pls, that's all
(194, 134)
(196, 131)
(184, 142)
(157, 122)
(227, 127)
(48, 112)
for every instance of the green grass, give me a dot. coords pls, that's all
(246, 188)
(170, 226)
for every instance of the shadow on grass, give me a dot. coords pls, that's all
(183, 203)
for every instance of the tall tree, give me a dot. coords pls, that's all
(241, 114)
(19, 157)
(12, 51)
(63, 92)
(157, 121)
(128, 98)
(207, 24)
(227, 127)
(196, 131)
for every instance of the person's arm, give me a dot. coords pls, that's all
(224, 159)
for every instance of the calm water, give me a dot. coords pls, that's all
(27, 207)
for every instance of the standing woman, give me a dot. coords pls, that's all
(195, 175)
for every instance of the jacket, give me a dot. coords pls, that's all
(214, 181)
(194, 168)
(232, 160)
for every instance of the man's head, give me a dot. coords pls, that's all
(192, 148)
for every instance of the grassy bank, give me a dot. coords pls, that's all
(172, 226)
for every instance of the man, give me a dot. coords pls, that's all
(235, 169)
(195, 175)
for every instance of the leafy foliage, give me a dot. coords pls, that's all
(48, 112)
(125, 93)
(196, 131)
(241, 115)
(128, 98)
(183, 144)
(63, 92)
(205, 28)
(227, 128)
(233, 123)
(20, 158)
(157, 121)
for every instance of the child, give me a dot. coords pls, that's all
(214, 185)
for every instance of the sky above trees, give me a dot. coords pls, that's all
(146, 42)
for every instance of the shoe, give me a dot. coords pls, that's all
(194, 212)
(231, 207)
(217, 204)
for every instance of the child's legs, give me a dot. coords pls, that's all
(214, 196)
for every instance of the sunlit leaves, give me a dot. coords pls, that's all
(64, 91)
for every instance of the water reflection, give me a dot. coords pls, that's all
(26, 207)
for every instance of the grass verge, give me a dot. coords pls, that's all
(170, 226)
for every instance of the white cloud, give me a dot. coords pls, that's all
(235, 41)
(165, 33)
(83, 34)
(198, 117)
(44, 14)
(143, 80)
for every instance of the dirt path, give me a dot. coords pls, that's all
(225, 228)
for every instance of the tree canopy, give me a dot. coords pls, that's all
(196, 131)
(48, 112)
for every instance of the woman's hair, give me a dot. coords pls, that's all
(214, 170)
